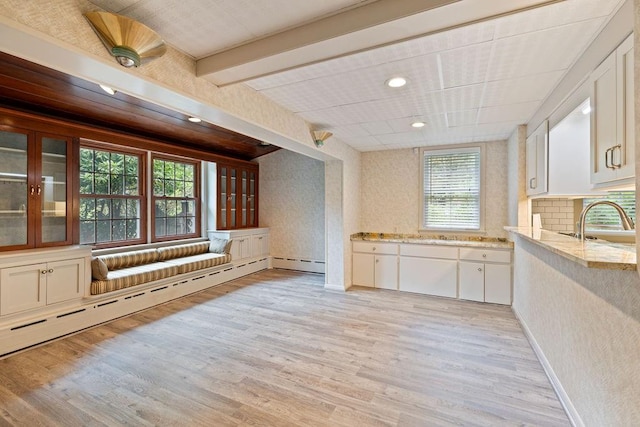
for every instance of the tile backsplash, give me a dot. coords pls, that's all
(556, 214)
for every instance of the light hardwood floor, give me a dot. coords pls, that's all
(275, 348)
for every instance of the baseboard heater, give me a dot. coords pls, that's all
(311, 266)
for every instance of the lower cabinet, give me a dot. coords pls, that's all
(247, 243)
(429, 269)
(30, 286)
(488, 281)
(476, 274)
(375, 265)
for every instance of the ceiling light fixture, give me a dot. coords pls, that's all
(107, 89)
(396, 82)
(418, 125)
(129, 41)
(320, 136)
(194, 119)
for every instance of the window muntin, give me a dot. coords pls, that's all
(452, 189)
(176, 209)
(606, 218)
(112, 203)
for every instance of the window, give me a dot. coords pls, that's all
(605, 217)
(112, 203)
(176, 210)
(452, 189)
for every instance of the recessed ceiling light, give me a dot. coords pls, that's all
(194, 120)
(107, 89)
(417, 125)
(396, 82)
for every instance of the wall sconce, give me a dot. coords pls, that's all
(319, 136)
(129, 41)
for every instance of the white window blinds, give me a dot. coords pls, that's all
(604, 217)
(452, 189)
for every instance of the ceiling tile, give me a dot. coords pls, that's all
(520, 113)
(462, 118)
(465, 66)
(377, 128)
(535, 87)
(463, 98)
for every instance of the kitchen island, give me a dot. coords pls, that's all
(579, 304)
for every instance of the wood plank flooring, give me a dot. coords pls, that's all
(277, 349)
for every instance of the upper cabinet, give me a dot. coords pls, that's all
(612, 118)
(36, 172)
(536, 155)
(237, 205)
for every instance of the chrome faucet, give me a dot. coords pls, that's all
(627, 222)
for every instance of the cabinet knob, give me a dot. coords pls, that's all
(479, 269)
(377, 261)
(50, 270)
(374, 248)
(484, 255)
(44, 272)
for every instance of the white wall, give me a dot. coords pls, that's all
(292, 204)
(391, 190)
(518, 212)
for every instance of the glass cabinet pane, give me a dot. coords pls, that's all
(13, 185)
(223, 198)
(53, 190)
(244, 199)
(232, 200)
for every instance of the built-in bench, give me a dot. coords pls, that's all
(126, 269)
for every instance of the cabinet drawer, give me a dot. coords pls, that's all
(429, 251)
(376, 248)
(490, 255)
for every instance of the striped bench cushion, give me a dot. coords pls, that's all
(198, 262)
(180, 251)
(132, 276)
(129, 259)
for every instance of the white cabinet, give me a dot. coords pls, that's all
(259, 245)
(428, 269)
(375, 265)
(247, 243)
(536, 160)
(26, 287)
(485, 275)
(612, 117)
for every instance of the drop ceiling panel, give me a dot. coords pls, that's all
(378, 128)
(542, 51)
(463, 98)
(462, 118)
(520, 113)
(562, 13)
(353, 131)
(465, 66)
(523, 89)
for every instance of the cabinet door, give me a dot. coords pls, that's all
(536, 160)
(52, 192)
(472, 279)
(603, 120)
(623, 156)
(65, 280)
(259, 245)
(22, 288)
(497, 283)
(428, 276)
(16, 204)
(363, 272)
(386, 272)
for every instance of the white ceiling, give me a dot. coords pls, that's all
(473, 83)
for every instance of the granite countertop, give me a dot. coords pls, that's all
(443, 240)
(590, 253)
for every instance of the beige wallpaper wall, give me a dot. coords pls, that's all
(518, 204)
(587, 323)
(390, 195)
(292, 204)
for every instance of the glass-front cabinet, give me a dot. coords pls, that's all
(237, 196)
(35, 195)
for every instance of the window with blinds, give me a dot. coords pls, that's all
(605, 217)
(452, 189)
